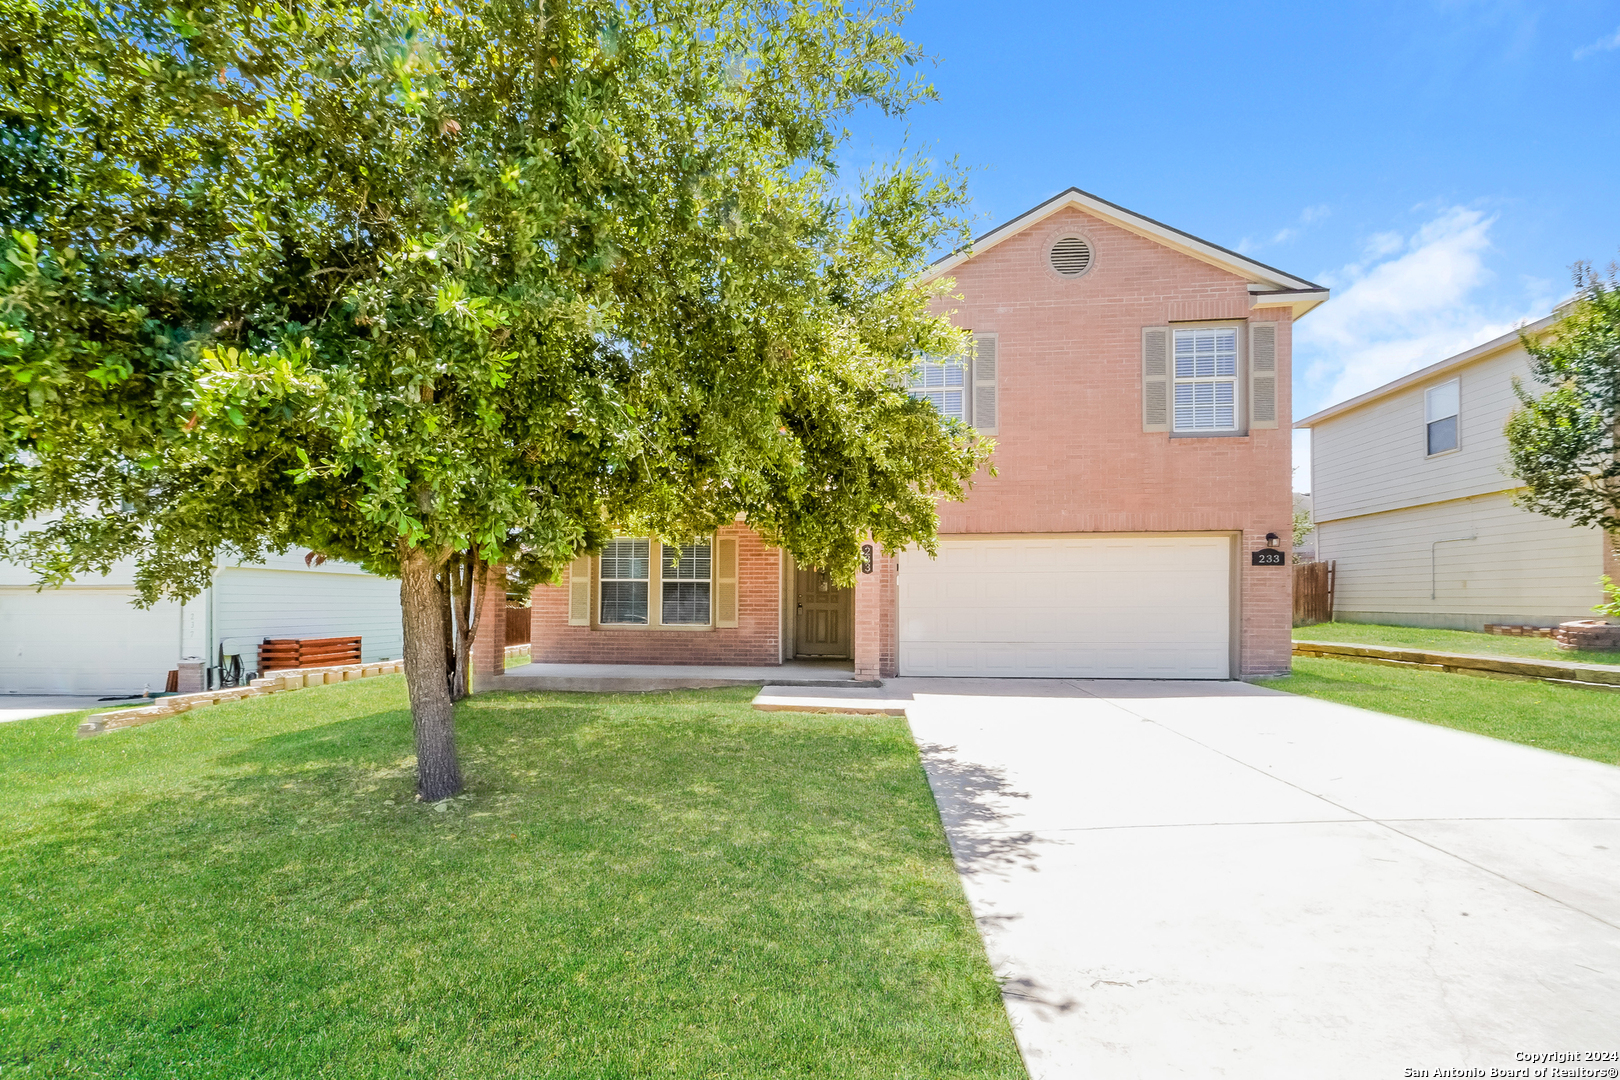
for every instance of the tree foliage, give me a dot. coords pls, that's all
(1303, 526)
(1563, 442)
(431, 288)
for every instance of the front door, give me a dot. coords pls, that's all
(822, 627)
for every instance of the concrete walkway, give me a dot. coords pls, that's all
(1213, 879)
(28, 706)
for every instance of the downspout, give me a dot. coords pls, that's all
(1432, 551)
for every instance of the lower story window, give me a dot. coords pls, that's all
(686, 575)
(626, 566)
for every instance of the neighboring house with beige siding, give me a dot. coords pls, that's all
(1414, 501)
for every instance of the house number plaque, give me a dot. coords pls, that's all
(866, 558)
(1267, 557)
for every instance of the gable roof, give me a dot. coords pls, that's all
(1449, 364)
(1271, 287)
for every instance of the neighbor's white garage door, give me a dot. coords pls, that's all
(1071, 607)
(84, 641)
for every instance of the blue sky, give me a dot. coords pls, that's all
(1439, 164)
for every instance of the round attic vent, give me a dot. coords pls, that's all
(1071, 256)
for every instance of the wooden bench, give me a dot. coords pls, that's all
(280, 654)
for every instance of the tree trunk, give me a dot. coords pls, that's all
(422, 602)
(466, 603)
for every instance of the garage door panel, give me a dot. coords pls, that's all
(1122, 607)
(84, 641)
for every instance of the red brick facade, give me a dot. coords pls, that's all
(876, 620)
(757, 638)
(1071, 456)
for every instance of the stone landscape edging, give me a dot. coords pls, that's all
(1560, 672)
(274, 683)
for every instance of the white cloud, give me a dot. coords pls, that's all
(1248, 245)
(1606, 44)
(1410, 302)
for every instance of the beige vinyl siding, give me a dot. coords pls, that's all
(256, 603)
(1376, 458)
(1520, 567)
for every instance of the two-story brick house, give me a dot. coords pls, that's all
(1136, 381)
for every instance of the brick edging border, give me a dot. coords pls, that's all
(1585, 676)
(274, 683)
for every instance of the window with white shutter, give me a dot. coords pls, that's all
(1263, 375)
(964, 389)
(579, 591)
(725, 582)
(945, 383)
(684, 583)
(986, 407)
(1155, 378)
(626, 575)
(1205, 370)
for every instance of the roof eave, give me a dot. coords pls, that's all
(1300, 302)
(1173, 238)
(1443, 367)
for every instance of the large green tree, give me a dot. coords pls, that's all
(1564, 444)
(436, 287)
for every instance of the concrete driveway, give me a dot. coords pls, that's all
(1213, 879)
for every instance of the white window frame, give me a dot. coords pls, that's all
(932, 377)
(688, 559)
(646, 579)
(1215, 379)
(1432, 416)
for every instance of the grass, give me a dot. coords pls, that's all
(662, 885)
(1585, 723)
(1458, 641)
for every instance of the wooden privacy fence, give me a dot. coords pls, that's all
(281, 654)
(1313, 592)
(517, 625)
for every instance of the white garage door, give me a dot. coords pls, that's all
(1070, 607)
(84, 641)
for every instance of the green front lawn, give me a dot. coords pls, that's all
(1585, 723)
(634, 886)
(1457, 641)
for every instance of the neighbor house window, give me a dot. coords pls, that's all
(1206, 379)
(945, 384)
(626, 566)
(685, 576)
(1440, 406)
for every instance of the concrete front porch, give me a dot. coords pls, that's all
(637, 677)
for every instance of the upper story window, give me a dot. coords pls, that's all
(1206, 374)
(962, 388)
(945, 383)
(1440, 407)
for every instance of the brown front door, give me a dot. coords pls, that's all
(822, 627)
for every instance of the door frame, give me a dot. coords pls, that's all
(790, 615)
